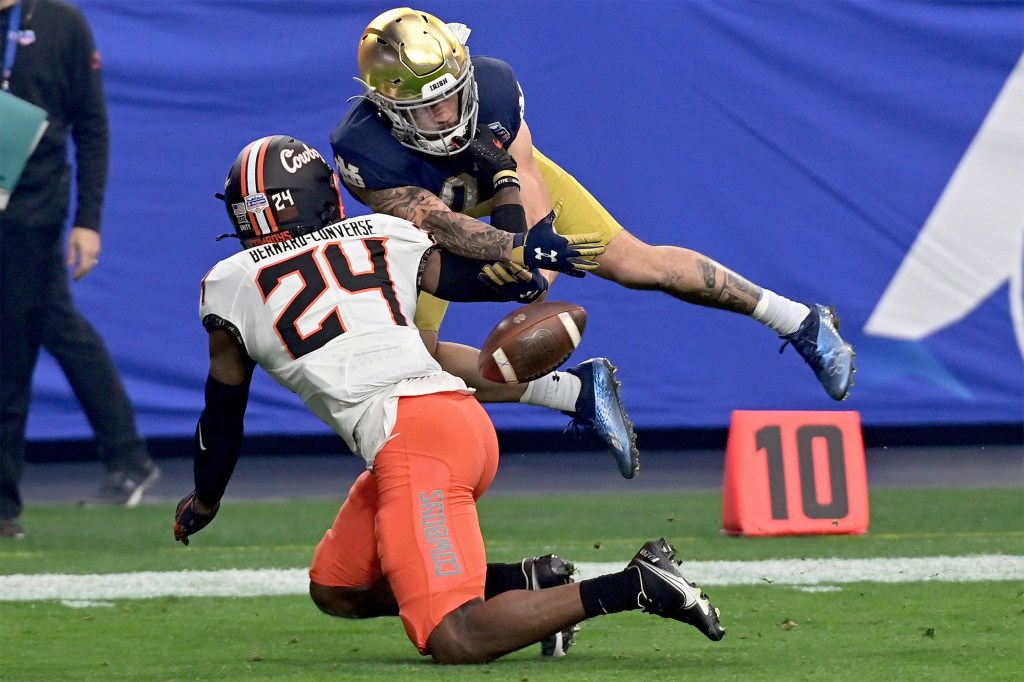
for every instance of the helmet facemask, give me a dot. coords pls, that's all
(406, 116)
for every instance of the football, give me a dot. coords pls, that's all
(531, 341)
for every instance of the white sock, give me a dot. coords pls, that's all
(558, 390)
(779, 313)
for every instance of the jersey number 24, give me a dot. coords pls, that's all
(315, 282)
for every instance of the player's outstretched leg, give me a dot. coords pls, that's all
(482, 630)
(542, 572)
(665, 591)
(600, 407)
(818, 342)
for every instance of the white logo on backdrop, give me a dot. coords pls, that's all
(973, 241)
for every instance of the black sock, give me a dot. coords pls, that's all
(504, 577)
(610, 593)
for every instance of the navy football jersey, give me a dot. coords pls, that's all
(368, 156)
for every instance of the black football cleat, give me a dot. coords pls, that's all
(551, 571)
(665, 591)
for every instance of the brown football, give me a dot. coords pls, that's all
(531, 341)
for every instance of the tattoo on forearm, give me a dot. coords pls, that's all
(454, 232)
(707, 271)
(726, 290)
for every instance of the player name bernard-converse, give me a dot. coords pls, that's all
(353, 227)
(344, 230)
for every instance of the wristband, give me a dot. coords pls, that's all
(504, 179)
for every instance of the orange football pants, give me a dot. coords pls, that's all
(413, 519)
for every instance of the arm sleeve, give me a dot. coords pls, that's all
(89, 125)
(509, 217)
(459, 281)
(218, 439)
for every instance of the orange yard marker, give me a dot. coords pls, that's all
(794, 473)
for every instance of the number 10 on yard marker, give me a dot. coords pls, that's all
(794, 473)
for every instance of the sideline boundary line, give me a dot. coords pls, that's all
(262, 582)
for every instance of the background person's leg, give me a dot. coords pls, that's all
(23, 272)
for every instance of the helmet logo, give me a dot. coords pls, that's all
(293, 163)
(441, 83)
(256, 203)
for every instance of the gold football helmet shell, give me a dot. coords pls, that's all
(409, 61)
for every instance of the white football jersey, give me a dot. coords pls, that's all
(329, 315)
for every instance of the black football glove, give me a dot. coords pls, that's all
(187, 521)
(490, 157)
(544, 248)
(514, 282)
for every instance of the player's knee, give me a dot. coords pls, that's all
(456, 650)
(453, 642)
(340, 602)
(638, 265)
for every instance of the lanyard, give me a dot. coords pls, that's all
(13, 36)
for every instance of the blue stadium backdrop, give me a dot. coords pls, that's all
(868, 155)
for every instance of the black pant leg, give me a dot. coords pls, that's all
(93, 376)
(24, 267)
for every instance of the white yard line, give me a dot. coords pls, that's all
(251, 583)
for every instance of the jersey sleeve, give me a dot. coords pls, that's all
(217, 297)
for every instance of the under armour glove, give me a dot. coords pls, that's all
(544, 248)
(188, 521)
(490, 157)
(514, 282)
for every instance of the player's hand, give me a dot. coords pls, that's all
(188, 520)
(514, 282)
(544, 248)
(490, 157)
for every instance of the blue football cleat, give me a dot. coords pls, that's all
(818, 342)
(600, 407)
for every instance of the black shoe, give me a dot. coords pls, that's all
(551, 571)
(10, 528)
(665, 591)
(123, 488)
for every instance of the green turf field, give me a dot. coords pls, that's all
(870, 630)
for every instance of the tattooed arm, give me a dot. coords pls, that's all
(453, 232)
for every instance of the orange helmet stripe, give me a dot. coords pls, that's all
(252, 183)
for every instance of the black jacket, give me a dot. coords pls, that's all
(60, 72)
